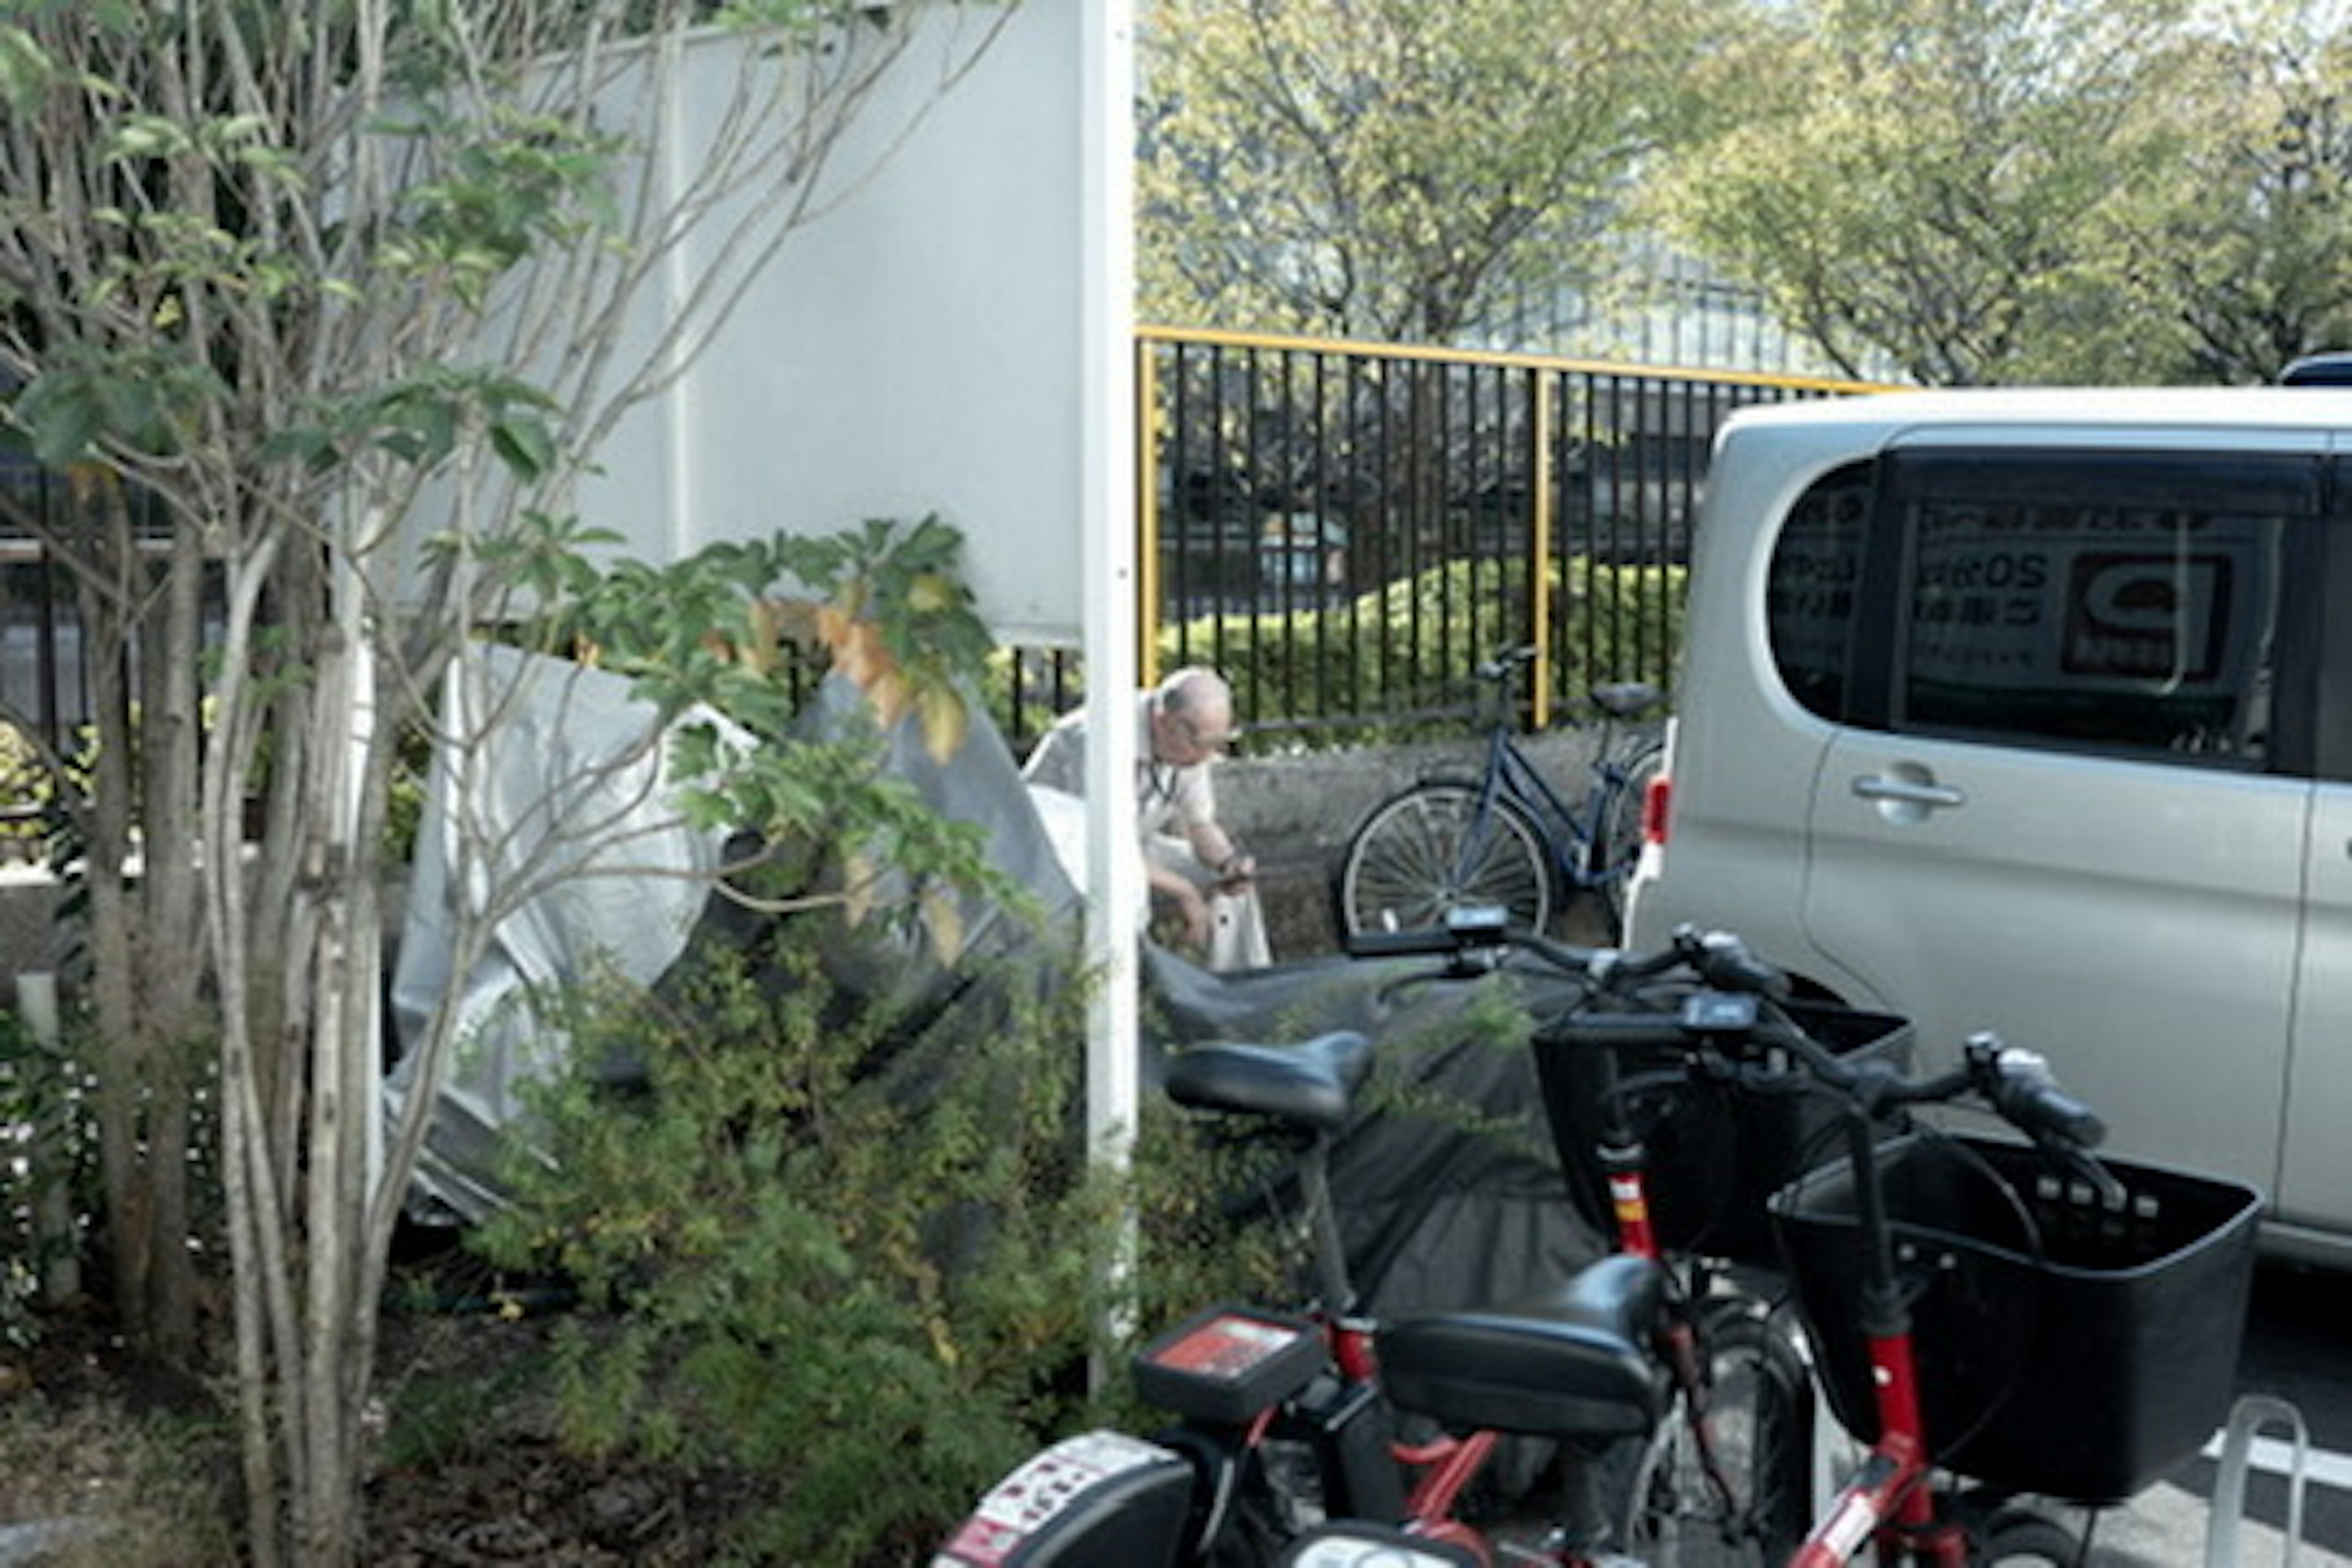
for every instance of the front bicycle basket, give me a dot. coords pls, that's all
(2065, 1347)
(1715, 1153)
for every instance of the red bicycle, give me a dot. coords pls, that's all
(2003, 1323)
(1681, 1415)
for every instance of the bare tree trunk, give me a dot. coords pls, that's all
(146, 925)
(171, 746)
(341, 952)
(257, 1175)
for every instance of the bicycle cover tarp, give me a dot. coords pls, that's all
(1448, 1183)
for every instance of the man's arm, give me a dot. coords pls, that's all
(1215, 849)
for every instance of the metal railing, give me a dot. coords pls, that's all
(1342, 528)
(1345, 528)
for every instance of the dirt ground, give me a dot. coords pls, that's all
(106, 1461)
(473, 1474)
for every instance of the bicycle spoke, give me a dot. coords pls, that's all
(1432, 849)
(1729, 1487)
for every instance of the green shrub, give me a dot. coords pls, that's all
(844, 1240)
(1395, 664)
(48, 1179)
(26, 790)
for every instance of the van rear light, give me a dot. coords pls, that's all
(1657, 801)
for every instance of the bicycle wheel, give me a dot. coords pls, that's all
(1260, 1516)
(2020, 1536)
(1429, 849)
(1619, 830)
(1753, 1505)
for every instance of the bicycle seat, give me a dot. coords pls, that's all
(1312, 1084)
(1571, 1364)
(1623, 699)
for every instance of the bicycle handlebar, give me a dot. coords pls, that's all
(1476, 936)
(1503, 663)
(1736, 996)
(2020, 1085)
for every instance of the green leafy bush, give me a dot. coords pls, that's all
(48, 1176)
(27, 789)
(839, 1234)
(1395, 664)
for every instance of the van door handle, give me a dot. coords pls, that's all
(1907, 792)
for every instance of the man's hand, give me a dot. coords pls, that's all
(1182, 901)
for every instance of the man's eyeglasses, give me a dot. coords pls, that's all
(1189, 728)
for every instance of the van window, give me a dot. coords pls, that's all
(2114, 602)
(2124, 602)
(1809, 596)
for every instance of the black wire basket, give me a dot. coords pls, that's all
(2066, 1345)
(1715, 1153)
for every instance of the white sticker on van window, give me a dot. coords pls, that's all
(2078, 599)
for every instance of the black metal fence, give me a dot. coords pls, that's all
(1342, 528)
(1345, 529)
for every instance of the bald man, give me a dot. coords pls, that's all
(1197, 874)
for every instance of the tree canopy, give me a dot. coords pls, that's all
(1931, 183)
(1952, 192)
(2235, 251)
(1388, 169)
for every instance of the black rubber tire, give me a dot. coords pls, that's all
(1760, 1423)
(1257, 1528)
(1398, 872)
(2020, 1536)
(1618, 840)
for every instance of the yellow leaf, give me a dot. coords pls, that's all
(943, 918)
(930, 593)
(857, 890)
(833, 627)
(946, 721)
(767, 619)
(887, 692)
(860, 657)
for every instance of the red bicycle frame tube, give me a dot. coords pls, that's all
(1445, 1466)
(1628, 1197)
(1442, 1468)
(1351, 1349)
(1886, 1498)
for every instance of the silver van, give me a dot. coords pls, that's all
(2025, 710)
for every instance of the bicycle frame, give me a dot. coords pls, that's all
(1567, 834)
(1438, 1471)
(1443, 1468)
(1071, 1491)
(1888, 1499)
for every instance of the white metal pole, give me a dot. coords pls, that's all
(1115, 886)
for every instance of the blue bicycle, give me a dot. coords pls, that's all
(1506, 838)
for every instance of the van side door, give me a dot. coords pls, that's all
(2314, 1184)
(2067, 804)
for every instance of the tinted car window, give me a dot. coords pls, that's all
(1810, 597)
(2126, 602)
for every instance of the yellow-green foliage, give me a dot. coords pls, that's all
(845, 1241)
(1357, 670)
(25, 788)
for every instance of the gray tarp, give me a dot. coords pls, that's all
(565, 801)
(1450, 1191)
